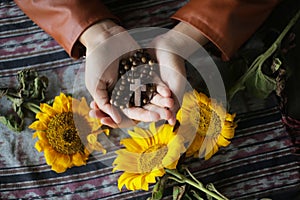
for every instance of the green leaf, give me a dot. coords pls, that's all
(178, 192)
(30, 92)
(159, 187)
(12, 123)
(259, 84)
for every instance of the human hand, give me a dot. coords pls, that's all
(102, 63)
(170, 50)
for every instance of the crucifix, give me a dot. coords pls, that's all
(137, 88)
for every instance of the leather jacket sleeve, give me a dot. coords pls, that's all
(65, 20)
(226, 23)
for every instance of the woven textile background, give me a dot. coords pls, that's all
(262, 160)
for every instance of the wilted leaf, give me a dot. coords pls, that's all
(178, 192)
(12, 123)
(159, 187)
(259, 84)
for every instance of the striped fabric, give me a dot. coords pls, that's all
(262, 160)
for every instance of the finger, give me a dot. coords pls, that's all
(163, 90)
(164, 114)
(93, 105)
(109, 122)
(103, 117)
(106, 120)
(165, 102)
(140, 114)
(102, 100)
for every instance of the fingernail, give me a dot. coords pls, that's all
(92, 114)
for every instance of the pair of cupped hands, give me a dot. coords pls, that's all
(106, 41)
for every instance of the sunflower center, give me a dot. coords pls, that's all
(152, 158)
(63, 135)
(205, 118)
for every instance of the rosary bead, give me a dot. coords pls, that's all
(116, 103)
(122, 88)
(122, 71)
(144, 59)
(137, 70)
(151, 62)
(119, 93)
(123, 61)
(126, 67)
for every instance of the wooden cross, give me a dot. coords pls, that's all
(137, 88)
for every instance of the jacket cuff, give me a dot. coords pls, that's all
(227, 24)
(66, 20)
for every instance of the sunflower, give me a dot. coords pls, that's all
(146, 154)
(65, 132)
(205, 123)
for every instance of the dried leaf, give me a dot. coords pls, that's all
(12, 123)
(31, 90)
(178, 192)
(159, 187)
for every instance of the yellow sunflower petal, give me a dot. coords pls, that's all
(137, 182)
(41, 135)
(134, 182)
(48, 110)
(206, 146)
(127, 179)
(43, 117)
(175, 150)
(222, 142)
(195, 145)
(152, 128)
(58, 168)
(212, 152)
(83, 107)
(61, 163)
(228, 132)
(61, 103)
(96, 125)
(145, 185)
(201, 97)
(40, 145)
(143, 142)
(78, 159)
(122, 179)
(139, 132)
(50, 155)
(131, 145)
(126, 161)
(165, 134)
(230, 117)
(74, 105)
(38, 126)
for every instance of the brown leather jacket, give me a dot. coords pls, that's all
(227, 23)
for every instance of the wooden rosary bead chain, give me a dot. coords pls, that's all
(135, 87)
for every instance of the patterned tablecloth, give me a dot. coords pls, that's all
(262, 160)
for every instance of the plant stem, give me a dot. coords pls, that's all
(192, 183)
(257, 63)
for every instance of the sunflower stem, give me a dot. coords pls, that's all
(182, 179)
(191, 175)
(211, 187)
(257, 63)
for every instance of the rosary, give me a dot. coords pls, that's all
(135, 87)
